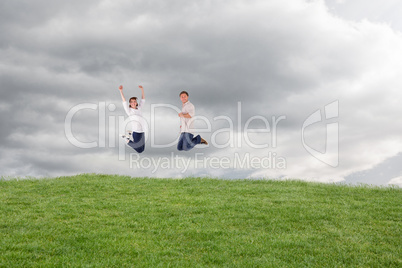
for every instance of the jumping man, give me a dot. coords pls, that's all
(187, 140)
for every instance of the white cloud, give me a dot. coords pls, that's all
(396, 181)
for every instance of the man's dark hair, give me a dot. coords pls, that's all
(183, 92)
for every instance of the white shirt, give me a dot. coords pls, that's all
(187, 123)
(136, 119)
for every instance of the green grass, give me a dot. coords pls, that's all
(115, 221)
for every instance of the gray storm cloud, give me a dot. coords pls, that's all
(277, 58)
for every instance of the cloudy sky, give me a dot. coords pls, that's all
(318, 82)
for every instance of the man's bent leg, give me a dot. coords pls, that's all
(180, 143)
(190, 141)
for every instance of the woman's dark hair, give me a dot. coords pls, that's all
(132, 98)
(183, 92)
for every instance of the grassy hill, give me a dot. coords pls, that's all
(116, 221)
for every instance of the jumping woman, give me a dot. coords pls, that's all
(135, 139)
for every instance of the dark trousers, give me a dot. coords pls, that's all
(187, 141)
(138, 142)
